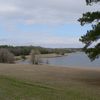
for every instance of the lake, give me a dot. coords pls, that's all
(78, 59)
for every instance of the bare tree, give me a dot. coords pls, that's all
(6, 56)
(35, 56)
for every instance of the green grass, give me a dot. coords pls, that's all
(14, 89)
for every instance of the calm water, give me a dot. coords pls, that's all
(78, 59)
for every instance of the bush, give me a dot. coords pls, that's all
(34, 56)
(6, 56)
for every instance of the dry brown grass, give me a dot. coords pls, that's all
(50, 74)
(51, 83)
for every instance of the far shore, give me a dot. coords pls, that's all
(44, 56)
(52, 55)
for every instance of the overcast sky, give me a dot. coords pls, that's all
(48, 23)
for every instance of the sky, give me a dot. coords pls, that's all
(46, 23)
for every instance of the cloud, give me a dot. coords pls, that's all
(42, 39)
(48, 12)
(43, 11)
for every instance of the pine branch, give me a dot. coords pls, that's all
(90, 17)
(91, 36)
(88, 2)
(93, 53)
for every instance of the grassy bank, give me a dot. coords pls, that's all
(29, 82)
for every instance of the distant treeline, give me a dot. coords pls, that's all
(25, 50)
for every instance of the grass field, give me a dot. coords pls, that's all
(30, 82)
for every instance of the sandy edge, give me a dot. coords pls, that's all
(55, 66)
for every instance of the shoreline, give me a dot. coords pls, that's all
(52, 55)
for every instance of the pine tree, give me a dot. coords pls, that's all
(92, 36)
(91, 1)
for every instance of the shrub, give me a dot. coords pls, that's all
(6, 56)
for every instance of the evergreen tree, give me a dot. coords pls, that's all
(92, 1)
(92, 36)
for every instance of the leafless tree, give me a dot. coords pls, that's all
(35, 56)
(6, 56)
